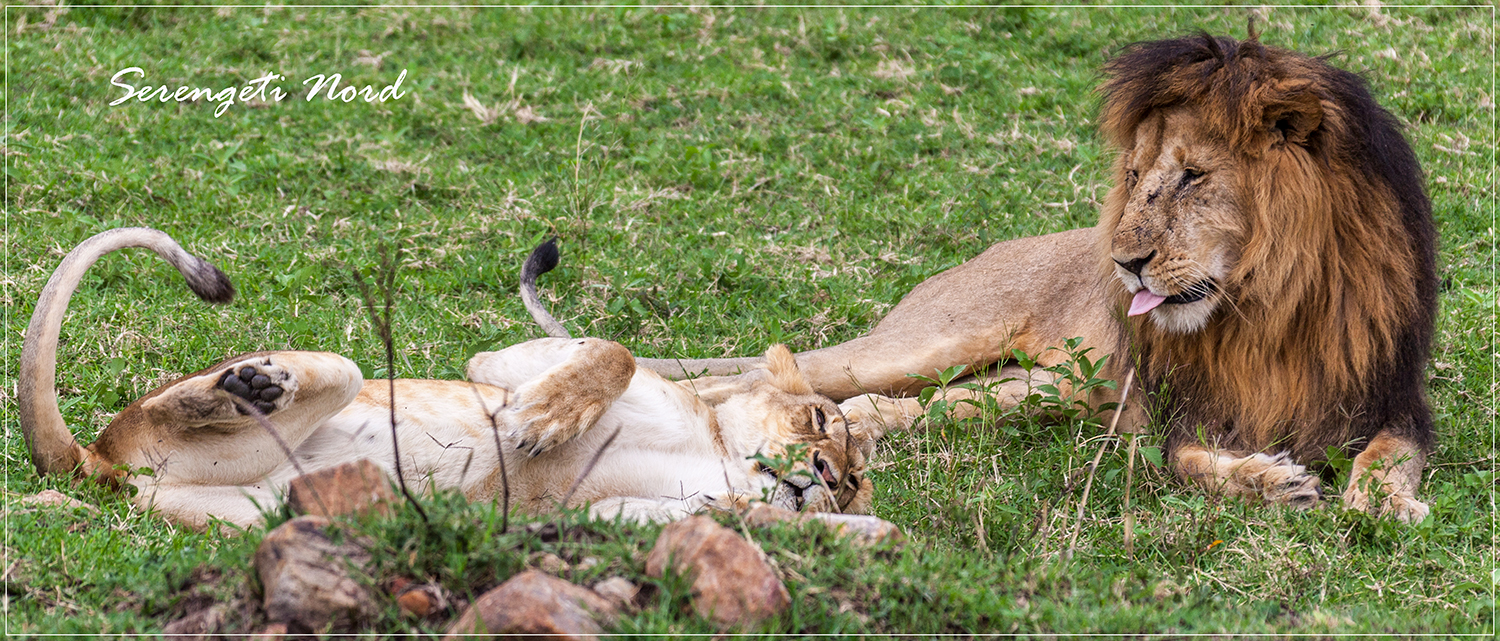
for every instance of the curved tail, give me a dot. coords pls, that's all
(53, 448)
(684, 368)
(542, 260)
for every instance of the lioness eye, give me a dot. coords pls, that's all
(819, 419)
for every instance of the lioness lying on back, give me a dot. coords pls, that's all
(555, 401)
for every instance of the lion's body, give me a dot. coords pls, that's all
(672, 449)
(1268, 237)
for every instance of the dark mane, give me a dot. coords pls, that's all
(1334, 349)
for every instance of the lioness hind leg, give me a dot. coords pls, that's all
(194, 432)
(562, 386)
(1385, 477)
(1277, 479)
(202, 399)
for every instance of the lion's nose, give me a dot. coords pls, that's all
(1135, 265)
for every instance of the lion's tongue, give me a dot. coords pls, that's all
(1144, 301)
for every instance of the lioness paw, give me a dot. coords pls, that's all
(541, 427)
(261, 384)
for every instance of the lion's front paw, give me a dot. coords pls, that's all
(541, 427)
(1283, 481)
(262, 384)
(1405, 509)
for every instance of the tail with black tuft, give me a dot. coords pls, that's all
(53, 448)
(542, 260)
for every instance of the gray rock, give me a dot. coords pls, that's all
(536, 603)
(732, 582)
(859, 528)
(619, 591)
(344, 489)
(307, 576)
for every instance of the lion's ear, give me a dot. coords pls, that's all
(785, 374)
(1292, 112)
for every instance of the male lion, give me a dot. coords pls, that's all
(1265, 259)
(668, 449)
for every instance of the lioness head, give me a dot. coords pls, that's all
(828, 475)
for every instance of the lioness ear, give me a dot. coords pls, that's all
(785, 375)
(1292, 113)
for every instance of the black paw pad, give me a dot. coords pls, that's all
(252, 386)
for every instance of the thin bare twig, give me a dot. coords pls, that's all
(386, 281)
(1094, 466)
(270, 428)
(598, 454)
(499, 453)
(1129, 483)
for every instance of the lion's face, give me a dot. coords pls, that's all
(1178, 238)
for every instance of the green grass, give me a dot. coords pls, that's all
(743, 177)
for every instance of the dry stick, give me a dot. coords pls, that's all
(270, 428)
(1129, 515)
(598, 454)
(387, 281)
(1089, 484)
(499, 453)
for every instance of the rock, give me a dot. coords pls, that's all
(619, 591)
(732, 583)
(422, 601)
(273, 632)
(548, 562)
(306, 576)
(861, 529)
(536, 603)
(54, 498)
(198, 625)
(349, 488)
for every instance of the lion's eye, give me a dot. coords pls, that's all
(1130, 178)
(820, 420)
(1191, 174)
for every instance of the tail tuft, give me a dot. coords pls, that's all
(209, 283)
(543, 259)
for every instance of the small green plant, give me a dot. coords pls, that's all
(782, 465)
(1079, 374)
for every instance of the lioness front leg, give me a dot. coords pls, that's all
(1385, 477)
(1277, 479)
(562, 386)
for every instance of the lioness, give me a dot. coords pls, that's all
(555, 403)
(1264, 262)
